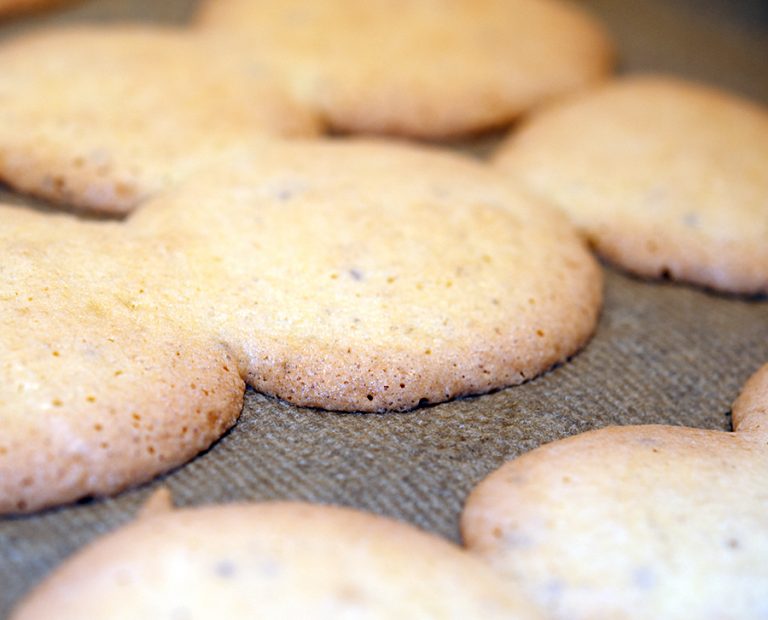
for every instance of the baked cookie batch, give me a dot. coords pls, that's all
(235, 246)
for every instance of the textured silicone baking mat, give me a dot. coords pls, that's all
(663, 353)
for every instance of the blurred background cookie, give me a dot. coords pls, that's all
(273, 560)
(666, 178)
(428, 69)
(101, 117)
(10, 8)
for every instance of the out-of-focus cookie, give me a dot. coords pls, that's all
(428, 69)
(99, 118)
(635, 522)
(275, 560)
(96, 393)
(370, 276)
(15, 7)
(667, 178)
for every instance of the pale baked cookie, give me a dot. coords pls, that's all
(274, 560)
(667, 178)
(96, 393)
(430, 68)
(99, 118)
(370, 276)
(635, 522)
(348, 276)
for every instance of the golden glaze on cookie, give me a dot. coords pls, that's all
(635, 522)
(428, 68)
(272, 561)
(99, 118)
(667, 178)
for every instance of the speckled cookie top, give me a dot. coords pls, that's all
(347, 276)
(100, 118)
(636, 521)
(96, 394)
(665, 176)
(373, 276)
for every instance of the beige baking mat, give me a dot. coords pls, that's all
(662, 353)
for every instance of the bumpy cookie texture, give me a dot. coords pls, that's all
(99, 118)
(349, 276)
(369, 276)
(275, 560)
(95, 393)
(636, 522)
(667, 178)
(428, 69)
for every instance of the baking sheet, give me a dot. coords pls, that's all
(663, 353)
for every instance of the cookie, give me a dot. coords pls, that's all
(347, 276)
(100, 118)
(426, 69)
(667, 178)
(96, 394)
(273, 560)
(14, 7)
(368, 276)
(637, 521)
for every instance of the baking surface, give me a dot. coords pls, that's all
(662, 354)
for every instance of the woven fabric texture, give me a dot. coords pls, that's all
(663, 353)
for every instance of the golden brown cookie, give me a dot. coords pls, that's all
(420, 68)
(667, 178)
(635, 522)
(348, 276)
(276, 560)
(100, 118)
(372, 276)
(96, 392)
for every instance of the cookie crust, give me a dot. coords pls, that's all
(135, 108)
(666, 178)
(271, 560)
(426, 69)
(635, 522)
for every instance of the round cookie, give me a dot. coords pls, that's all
(349, 276)
(429, 69)
(100, 118)
(370, 276)
(275, 560)
(96, 393)
(667, 178)
(635, 522)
